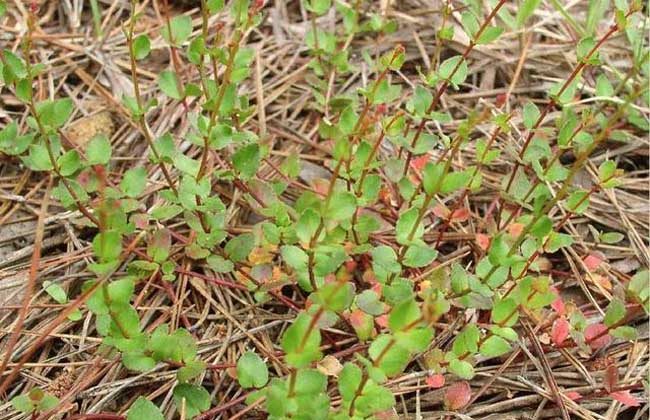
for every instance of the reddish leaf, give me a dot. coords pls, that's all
(377, 287)
(573, 395)
(560, 330)
(382, 320)
(558, 303)
(419, 162)
(501, 99)
(460, 215)
(515, 229)
(483, 241)
(435, 381)
(357, 318)
(611, 377)
(592, 261)
(457, 395)
(440, 211)
(626, 398)
(596, 336)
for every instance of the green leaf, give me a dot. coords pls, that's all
(318, 7)
(467, 340)
(530, 114)
(134, 181)
(138, 362)
(181, 29)
(246, 160)
(219, 264)
(143, 409)
(454, 181)
(335, 296)
(374, 399)
(420, 101)
(461, 368)
(384, 258)
(252, 371)
(431, 177)
(170, 84)
(141, 47)
(419, 256)
(639, 288)
(69, 162)
(542, 227)
(578, 202)
(307, 225)
(585, 46)
(55, 291)
(406, 229)
(301, 351)
(107, 245)
(98, 150)
(120, 291)
(603, 86)
(494, 346)
(48, 402)
(526, 10)
(191, 370)
(239, 247)
(215, 6)
(342, 206)
(615, 312)
(490, 34)
(415, 340)
(403, 314)
(349, 380)
(38, 158)
(624, 332)
(452, 71)
(197, 399)
(611, 237)
(23, 404)
(499, 249)
(506, 332)
(558, 240)
(55, 113)
(125, 321)
(295, 257)
(505, 312)
(368, 301)
(393, 360)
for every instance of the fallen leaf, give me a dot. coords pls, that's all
(596, 336)
(329, 366)
(573, 395)
(626, 398)
(592, 262)
(483, 241)
(611, 377)
(560, 330)
(457, 395)
(435, 381)
(84, 129)
(460, 215)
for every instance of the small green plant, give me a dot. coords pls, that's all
(363, 250)
(34, 402)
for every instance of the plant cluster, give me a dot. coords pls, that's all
(391, 296)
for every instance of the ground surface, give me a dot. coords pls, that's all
(95, 73)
